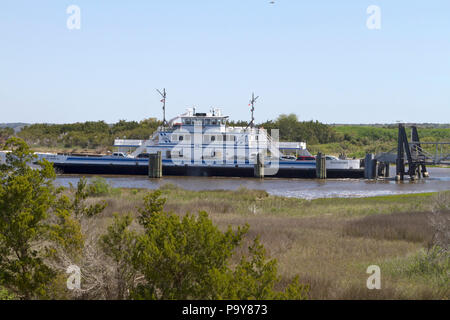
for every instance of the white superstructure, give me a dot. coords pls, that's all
(208, 136)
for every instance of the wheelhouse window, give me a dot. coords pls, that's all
(229, 138)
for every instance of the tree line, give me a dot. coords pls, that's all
(90, 135)
(99, 134)
(354, 140)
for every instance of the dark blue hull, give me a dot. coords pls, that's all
(205, 171)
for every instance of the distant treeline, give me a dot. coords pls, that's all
(352, 140)
(5, 133)
(88, 135)
(356, 140)
(390, 125)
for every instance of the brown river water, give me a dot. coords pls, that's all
(299, 188)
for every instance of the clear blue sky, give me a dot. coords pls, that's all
(313, 58)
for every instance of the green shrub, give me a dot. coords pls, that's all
(98, 186)
(434, 262)
(36, 223)
(6, 295)
(432, 266)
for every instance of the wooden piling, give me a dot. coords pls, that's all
(370, 166)
(386, 169)
(321, 166)
(324, 168)
(380, 169)
(383, 169)
(259, 166)
(367, 165)
(375, 170)
(155, 165)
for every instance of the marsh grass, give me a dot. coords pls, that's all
(328, 243)
(247, 202)
(407, 226)
(426, 273)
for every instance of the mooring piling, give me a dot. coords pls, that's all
(321, 166)
(155, 165)
(259, 166)
(380, 169)
(371, 168)
(386, 171)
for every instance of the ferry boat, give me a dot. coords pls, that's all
(203, 144)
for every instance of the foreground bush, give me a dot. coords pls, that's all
(35, 222)
(190, 258)
(5, 295)
(433, 265)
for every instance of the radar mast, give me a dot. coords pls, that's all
(163, 95)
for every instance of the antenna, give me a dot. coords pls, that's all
(252, 103)
(163, 95)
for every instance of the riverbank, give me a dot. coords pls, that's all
(329, 243)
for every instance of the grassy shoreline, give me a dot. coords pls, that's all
(328, 242)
